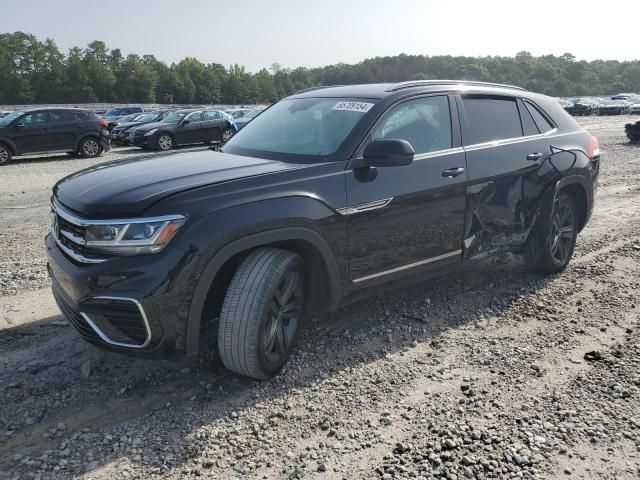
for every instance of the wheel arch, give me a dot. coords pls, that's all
(582, 193)
(215, 277)
(10, 145)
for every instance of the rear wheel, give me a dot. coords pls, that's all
(262, 312)
(227, 134)
(553, 253)
(90, 148)
(5, 154)
(165, 142)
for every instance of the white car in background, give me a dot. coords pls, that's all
(634, 106)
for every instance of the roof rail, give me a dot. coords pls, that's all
(418, 83)
(311, 89)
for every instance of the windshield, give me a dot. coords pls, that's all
(252, 113)
(5, 121)
(147, 117)
(174, 117)
(304, 126)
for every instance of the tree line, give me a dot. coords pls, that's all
(36, 72)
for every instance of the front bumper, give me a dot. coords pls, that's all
(149, 141)
(135, 305)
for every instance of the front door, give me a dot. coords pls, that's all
(402, 218)
(31, 132)
(191, 132)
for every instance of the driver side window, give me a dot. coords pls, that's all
(424, 122)
(194, 117)
(36, 118)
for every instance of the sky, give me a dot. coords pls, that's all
(312, 33)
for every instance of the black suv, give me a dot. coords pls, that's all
(52, 130)
(324, 196)
(184, 127)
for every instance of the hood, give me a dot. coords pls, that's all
(127, 188)
(145, 127)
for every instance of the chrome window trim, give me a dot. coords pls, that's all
(365, 207)
(438, 153)
(408, 266)
(104, 337)
(83, 222)
(509, 141)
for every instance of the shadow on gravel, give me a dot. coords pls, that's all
(167, 401)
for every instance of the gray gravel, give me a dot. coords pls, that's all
(497, 373)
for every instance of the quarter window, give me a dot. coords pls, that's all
(541, 121)
(491, 119)
(425, 123)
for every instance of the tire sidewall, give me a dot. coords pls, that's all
(269, 368)
(568, 199)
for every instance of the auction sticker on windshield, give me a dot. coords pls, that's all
(353, 106)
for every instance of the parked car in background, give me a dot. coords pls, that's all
(247, 117)
(331, 194)
(120, 133)
(127, 118)
(613, 107)
(238, 112)
(634, 106)
(4, 114)
(183, 127)
(119, 112)
(582, 106)
(52, 130)
(623, 96)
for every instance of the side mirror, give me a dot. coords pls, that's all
(19, 125)
(384, 152)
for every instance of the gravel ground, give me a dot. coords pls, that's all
(497, 373)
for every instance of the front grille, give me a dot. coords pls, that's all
(73, 317)
(69, 234)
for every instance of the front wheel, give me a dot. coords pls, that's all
(553, 253)
(165, 142)
(262, 313)
(90, 148)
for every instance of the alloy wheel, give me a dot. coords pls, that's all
(165, 142)
(91, 148)
(283, 317)
(4, 154)
(562, 232)
(227, 134)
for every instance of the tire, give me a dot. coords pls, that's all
(262, 313)
(90, 148)
(552, 253)
(227, 134)
(165, 142)
(5, 154)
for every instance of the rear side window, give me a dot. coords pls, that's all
(81, 115)
(60, 116)
(212, 115)
(541, 121)
(425, 123)
(492, 119)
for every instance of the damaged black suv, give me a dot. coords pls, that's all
(328, 194)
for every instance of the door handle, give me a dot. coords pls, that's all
(452, 172)
(534, 157)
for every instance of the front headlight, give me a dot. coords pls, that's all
(133, 237)
(151, 132)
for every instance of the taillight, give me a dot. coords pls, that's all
(104, 123)
(594, 149)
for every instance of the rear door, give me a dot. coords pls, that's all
(402, 218)
(213, 125)
(190, 132)
(63, 131)
(506, 154)
(31, 132)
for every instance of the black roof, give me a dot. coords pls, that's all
(381, 90)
